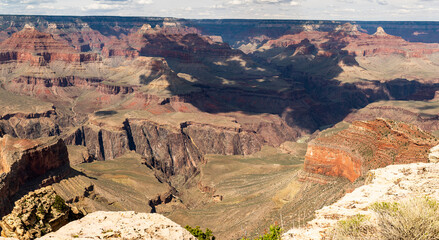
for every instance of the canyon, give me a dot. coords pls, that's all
(183, 118)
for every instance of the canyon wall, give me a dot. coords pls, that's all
(362, 146)
(23, 160)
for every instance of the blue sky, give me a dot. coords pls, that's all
(416, 10)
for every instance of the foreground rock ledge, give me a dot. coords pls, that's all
(121, 225)
(389, 184)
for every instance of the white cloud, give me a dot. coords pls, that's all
(249, 2)
(144, 1)
(382, 2)
(373, 10)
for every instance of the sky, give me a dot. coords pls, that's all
(361, 10)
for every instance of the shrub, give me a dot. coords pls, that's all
(275, 233)
(355, 227)
(59, 204)
(199, 234)
(414, 218)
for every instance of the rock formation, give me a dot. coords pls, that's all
(389, 184)
(121, 225)
(180, 146)
(434, 154)
(380, 32)
(37, 48)
(351, 152)
(36, 214)
(23, 160)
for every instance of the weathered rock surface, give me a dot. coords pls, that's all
(22, 160)
(36, 214)
(121, 225)
(362, 146)
(434, 154)
(388, 184)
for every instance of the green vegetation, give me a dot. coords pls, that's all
(199, 234)
(59, 204)
(415, 218)
(41, 209)
(275, 233)
(385, 206)
(354, 227)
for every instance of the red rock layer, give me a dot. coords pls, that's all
(30, 45)
(350, 153)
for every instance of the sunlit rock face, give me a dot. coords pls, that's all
(362, 146)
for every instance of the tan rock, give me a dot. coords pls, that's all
(434, 154)
(121, 225)
(389, 184)
(36, 214)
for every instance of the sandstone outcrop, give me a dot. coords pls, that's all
(389, 184)
(122, 225)
(37, 214)
(22, 160)
(351, 152)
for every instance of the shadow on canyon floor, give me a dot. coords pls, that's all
(313, 100)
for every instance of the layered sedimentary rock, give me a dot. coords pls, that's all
(82, 37)
(355, 42)
(22, 160)
(24, 117)
(178, 147)
(122, 225)
(351, 152)
(399, 111)
(37, 48)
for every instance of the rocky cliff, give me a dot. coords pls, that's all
(362, 146)
(37, 48)
(23, 160)
(177, 145)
